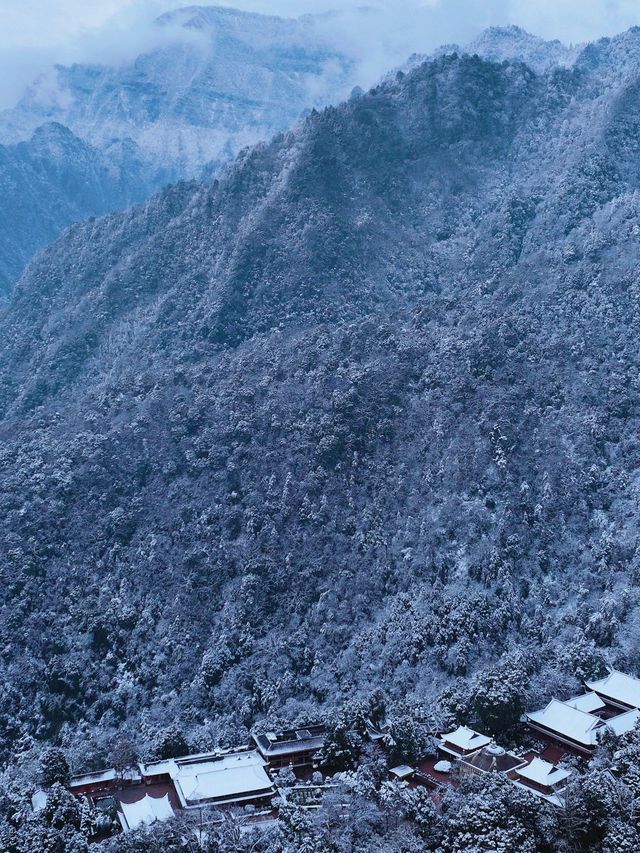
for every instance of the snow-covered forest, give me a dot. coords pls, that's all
(354, 425)
(90, 138)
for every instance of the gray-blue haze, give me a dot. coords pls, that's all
(356, 424)
(219, 80)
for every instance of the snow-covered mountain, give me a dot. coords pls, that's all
(216, 81)
(211, 82)
(507, 43)
(219, 80)
(497, 44)
(54, 179)
(364, 412)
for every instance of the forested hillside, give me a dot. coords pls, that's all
(361, 416)
(52, 180)
(88, 139)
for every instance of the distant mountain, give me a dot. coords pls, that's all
(362, 414)
(498, 44)
(219, 80)
(55, 179)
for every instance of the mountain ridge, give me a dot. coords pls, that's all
(360, 412)
(51, 181)
(218, 81)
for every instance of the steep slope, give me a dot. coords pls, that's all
(55, 179)
(213, 81)
(363, 412)
(216, 81)
(500, 44)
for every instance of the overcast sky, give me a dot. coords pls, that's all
(35, 33)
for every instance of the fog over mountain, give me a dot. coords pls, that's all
(221, 80)
(214, 81)
(361, 415)
(350, 428)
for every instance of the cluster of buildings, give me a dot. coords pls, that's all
(610, 703)
(235, 778)
(249, 776)
(568, 727)
(465, 751)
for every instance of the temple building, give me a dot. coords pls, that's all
(293, 748)
(568, 725)
(577, 723)
(214, 779)
(463, 742)
(491, 759)
(542, 778)
(618, 689)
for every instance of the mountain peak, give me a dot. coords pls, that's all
(52, 130)
(508, 31)
(54, 141)
(510, 43)
(202, 17)
(513, 42)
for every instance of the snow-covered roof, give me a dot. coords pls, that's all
(588, 702)
(619, 687)
(104, 776)
(145, 811)
(624, 723)
(378, 732)
(169, 766)
(493, 759)
(165, 767)
(39, 800)
(93, 778)
(466, 739)
(402, 771)
(555, 798)
(231, 777)
(566, 720)
(293, 741)
(543, 773)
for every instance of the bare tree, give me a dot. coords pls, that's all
(123, 755)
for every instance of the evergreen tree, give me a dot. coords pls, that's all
(54, 767)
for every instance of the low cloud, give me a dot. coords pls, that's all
(572, 21)
(37, 33)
